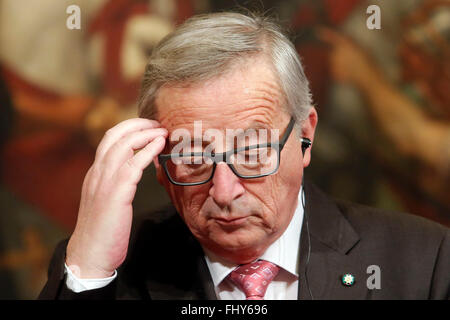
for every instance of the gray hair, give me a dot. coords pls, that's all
(206, 46)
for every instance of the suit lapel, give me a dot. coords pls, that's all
(332, 239)
(185, 275)
(206, 284)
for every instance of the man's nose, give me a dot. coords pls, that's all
(226, 186)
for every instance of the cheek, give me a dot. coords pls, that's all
(273, 195)
(189, 201)
(291, 168)
(282, 190)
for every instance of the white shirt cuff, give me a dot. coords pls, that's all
(79, 285)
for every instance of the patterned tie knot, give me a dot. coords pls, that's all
(254, 278)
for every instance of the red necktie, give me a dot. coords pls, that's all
(254, 278)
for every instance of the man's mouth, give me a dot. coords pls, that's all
(231, 221)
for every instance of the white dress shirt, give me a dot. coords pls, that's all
(284, 252)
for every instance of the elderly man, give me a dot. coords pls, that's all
(242, 225)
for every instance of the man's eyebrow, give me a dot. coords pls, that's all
(204, 142)
(256, 125)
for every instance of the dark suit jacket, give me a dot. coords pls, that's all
(166, 262)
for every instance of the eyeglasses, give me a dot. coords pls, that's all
(249, 162)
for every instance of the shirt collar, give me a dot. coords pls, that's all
(283, 252)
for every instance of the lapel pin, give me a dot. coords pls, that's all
(348, 280)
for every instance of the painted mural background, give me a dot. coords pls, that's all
(382, 95)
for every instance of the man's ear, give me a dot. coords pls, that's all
(308, 130)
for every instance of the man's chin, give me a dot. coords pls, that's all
(236, 247)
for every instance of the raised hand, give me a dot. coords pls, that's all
(100, 240)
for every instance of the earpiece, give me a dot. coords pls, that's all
(305, 214)
(306, 143)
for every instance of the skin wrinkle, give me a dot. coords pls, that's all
(268, 93)
(240, 106)
(262, 113)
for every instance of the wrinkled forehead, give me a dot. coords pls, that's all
(248, 96)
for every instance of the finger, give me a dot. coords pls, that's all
(134, 167)
(85, 188)
(123, 128)
(124, 149)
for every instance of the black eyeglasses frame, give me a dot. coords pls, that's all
(224, 156)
